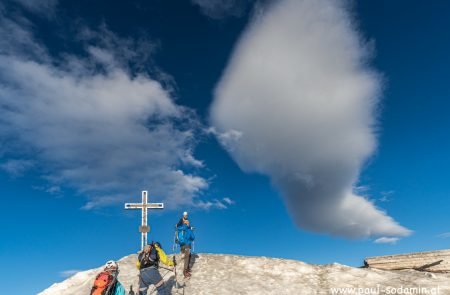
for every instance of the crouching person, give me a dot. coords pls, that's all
(148, 264)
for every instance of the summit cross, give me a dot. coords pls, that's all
(144, 228)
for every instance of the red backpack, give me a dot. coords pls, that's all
(103, 283)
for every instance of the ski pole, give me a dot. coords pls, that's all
(154, 288)
(166, 268)
(175, 272)
(174, 241)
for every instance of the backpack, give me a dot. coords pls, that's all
(150, 258)
(103, 284)
(184, 235)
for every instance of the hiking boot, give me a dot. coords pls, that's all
(187, 274)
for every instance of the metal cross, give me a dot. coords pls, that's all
(144, 228)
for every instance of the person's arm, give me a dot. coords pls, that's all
(163, 257)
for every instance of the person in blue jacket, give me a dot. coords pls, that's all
(183, 219)
(185, 238)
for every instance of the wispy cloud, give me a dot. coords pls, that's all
(298, 103)
(42, 7)
(219, 9)
(386, 196)
(16, 168)
(224, 203)
(444, 235)
(229, 201)
(386, 240)
(69, 273)
(99, 124)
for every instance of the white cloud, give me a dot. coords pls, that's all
(225, 203)
(229, 201)
(386, 240)
(386, 196)
(53, 190)
(16, 167)
(42, 7)
(219, 9)
(444, 235)
(69, 273)
(95, 124)
(297, 102)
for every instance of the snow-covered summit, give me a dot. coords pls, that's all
(230, 274)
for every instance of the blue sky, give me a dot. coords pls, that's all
(99, 101)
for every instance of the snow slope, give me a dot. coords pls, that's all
(229, 274)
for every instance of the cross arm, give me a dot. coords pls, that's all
(156, 206)
(133, 206)
(141, 206)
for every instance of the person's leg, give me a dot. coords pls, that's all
(142, 285)
(188, 262)
(157, 280)
(149, 276)
(161, 288)
(187, 258)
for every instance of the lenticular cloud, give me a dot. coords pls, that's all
(297, 103)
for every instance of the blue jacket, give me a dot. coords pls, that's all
(185, 235)
(120, 290)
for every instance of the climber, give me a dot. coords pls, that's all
(183, 219)
(106, 282)
(148, 265)
(185, 237)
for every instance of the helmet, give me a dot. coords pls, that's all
(185, 213)
(111, 265)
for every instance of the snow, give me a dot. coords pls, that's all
(232, 274)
